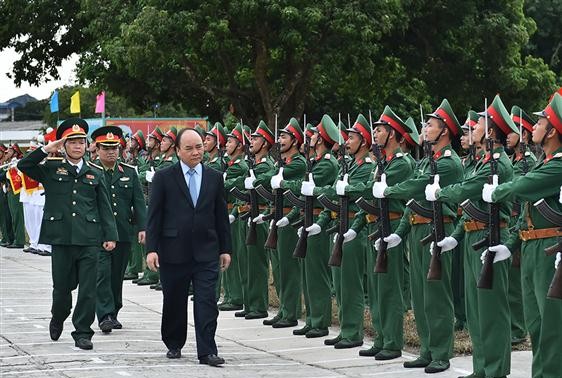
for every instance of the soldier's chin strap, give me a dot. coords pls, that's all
(548, 128)
(386, 140)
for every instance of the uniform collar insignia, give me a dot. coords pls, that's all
(62, 171)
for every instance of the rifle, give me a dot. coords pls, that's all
(553, 216)
(487, 273)
(516, 263)
(471, 145)
(271, 241)
(251, 236)
(343, 207)
(308, 205)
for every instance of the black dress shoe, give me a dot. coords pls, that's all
(256, 315)
(211, 360)
(371, 352)
(28, 249)
(84, 344)
(116, 323)
(4, 244)
(285, 324)
(240, 314)
(42, 253)
(135, 280)
(15, 246)
(301, 331)
(106, 324)
(174, 353)
(333, 341)
(55, 330)
(272, 321)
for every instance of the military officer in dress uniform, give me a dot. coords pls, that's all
(5, 218)
(432, 300)
(542, 314)
(214, 141)
(129, 210)
(77, 220)
(15, 207)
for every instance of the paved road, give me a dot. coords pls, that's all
(250, 349)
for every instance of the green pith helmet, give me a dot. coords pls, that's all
(219, 133)
(172, 134)
(156, 134)
(139, 137)
(519, 116)
(413, 132)
(328, 130)
(263, 131)
(471, 120)
(363, 128)
(553, 112)
(388, 117)
(445, 113)
(293, 128)
(497, 112)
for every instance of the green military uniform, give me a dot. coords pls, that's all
(5, 218)
(316, 276)
(77, 218)
(432, 300)
(129, 210)
(542, 314)
(236, 172)
(15, 207)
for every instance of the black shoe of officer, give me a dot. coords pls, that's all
(55, 330)
(84, 344)
(106, 324)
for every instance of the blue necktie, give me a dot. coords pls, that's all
(192, 186)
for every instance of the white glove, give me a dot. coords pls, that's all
(224, 176)
(488, 189)
(391, 240)
(150, 174)
(231, 218)
(282, 222)
(249, 181)
(447, 243)
(432, 189)
(349, 235)
(258, 219)
(313, 229)
(379, 187)
(560, 199)
(276, 180)
(307, 187)
(557, 261)
(341, 185)
(502, 253)
(299, 231)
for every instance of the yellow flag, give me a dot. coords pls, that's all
(75, 103)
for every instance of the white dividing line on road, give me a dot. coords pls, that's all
(123, 373)
(238, 329)
(391, 373)
(9, 309)
(27, 305)
(110, 340)
(268, 339)
(297, 349)
(97, 360)
(117, 353)
(39, 326)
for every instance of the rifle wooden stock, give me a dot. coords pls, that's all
(337, 251)
(252, 235)
(555, 289)
(549, 251)
(271, 241)
(302, 243)
(434, 273)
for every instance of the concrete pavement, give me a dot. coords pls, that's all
(250, 349)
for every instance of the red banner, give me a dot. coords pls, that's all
(15, 180)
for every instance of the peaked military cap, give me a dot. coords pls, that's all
(363, 128)
(520, 117)
(107, 135)
(328, 130)
(413, 132)
(445, 113)
(263, 131)
(72, 128)
(497, 112)
(293, 128)
(553, 112)
(388, 117)
(309, 130)
(139, 137)
(172, 133)
(471, 120)
(237, 133)
(219, 133)
(156, 134)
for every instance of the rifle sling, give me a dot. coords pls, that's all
(418, 219)
(541, 233)
(473, 225)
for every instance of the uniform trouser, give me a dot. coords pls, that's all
(111, 268)
(5, 219)
(386, 296)
(432, 300)
(542, 314)
(290, 276)
(515, 298)
(349, 281)
(75, 266)
(457, 283)
(257, 267)
(16, 212)
(407, 294)
(242, 250)
(32, 216)
(318, 297)
(231, 277)
(487, 310)
(135, 264)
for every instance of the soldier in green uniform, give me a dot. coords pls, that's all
(77, 220)
(146, 173)
(256, 298)
(5, 219)
(15, 207)
(542, 314)
(213, 142)
(523, 161)
(290, 175)
(128, 204)
(432, 300)
(488, 316)
(235, 174)
(137, 158)
(317, 278)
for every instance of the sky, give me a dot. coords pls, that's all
(9, 90)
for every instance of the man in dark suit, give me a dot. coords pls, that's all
(188, 237)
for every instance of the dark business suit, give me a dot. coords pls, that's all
(188, 241)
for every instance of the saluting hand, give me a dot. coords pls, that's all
(55, 146)
(109, 245)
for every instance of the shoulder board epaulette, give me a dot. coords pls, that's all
(368, 160)
(447, 153)
(127, 165)
(263, 160)
(237, 161)
(327, 156)
(94, 165)
(170, 158)
(214, 159)
(558, 155)
(497, 155)
(399, 154)
(527, 153)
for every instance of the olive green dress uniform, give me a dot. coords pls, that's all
(77, 219)
(487, 310)
(129, 210)
(542, 314)
(5, 217)
(15, 208)
(432, 300)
